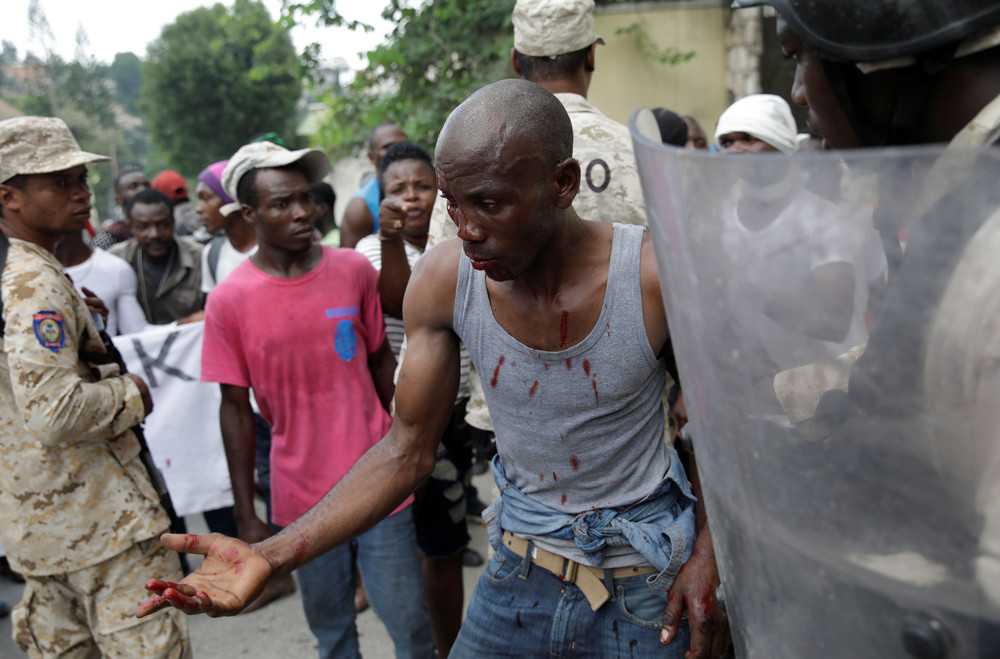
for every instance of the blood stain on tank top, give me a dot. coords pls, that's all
(575, 462)
(594, 384)
(496, 372)
(586, 367)
(534, 388)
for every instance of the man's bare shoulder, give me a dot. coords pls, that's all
(652, 299)
(430, 295)
(647, 264)
(443, 256)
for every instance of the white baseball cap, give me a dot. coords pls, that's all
(268, 155)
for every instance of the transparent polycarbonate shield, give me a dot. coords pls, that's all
(836, 323)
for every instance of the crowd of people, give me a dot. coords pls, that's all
(496, 303)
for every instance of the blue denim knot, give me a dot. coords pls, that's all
(661, 526)
(595, 530)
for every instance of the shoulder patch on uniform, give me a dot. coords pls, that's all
(49, 330)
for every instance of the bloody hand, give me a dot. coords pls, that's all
(230, 577)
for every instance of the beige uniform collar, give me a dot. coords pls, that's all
(983, 130)
(953, 168)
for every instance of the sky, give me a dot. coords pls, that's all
(115, 26)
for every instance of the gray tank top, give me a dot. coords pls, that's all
(580, 428)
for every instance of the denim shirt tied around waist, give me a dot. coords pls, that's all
(661, 526)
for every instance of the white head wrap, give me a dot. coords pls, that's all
(765, 116)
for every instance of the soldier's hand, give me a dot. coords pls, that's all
(147, 398)
(230, 577)
(95, 303)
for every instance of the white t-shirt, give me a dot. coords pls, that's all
(229, 259)
(113, 280)
(371, 247)
(809, 233)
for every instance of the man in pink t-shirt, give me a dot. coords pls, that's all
(302, 326)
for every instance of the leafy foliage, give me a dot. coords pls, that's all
(214, 79)
(79, 92)
(650, 49)
(435, 57)
(126, 73)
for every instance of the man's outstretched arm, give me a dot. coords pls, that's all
(233, 572)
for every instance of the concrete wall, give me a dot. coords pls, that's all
(744, 50)
(625, 79)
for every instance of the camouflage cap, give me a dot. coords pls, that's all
(268, 155)
(39, 145)
(547, 28)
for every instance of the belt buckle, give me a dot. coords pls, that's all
(569, 571)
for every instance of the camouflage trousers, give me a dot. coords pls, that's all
(91, 612)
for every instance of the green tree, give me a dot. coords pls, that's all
(8, 55)
(125, 72)
(214, 79)
(78, 92)
(437, 54)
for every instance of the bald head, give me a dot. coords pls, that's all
(512, 114)
(384, 136)
(505, 165)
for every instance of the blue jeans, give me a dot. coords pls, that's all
(522, 611)
(390, 566)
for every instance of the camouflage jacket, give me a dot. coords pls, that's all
(609, 184)
(73, 491)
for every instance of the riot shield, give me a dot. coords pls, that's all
(836, 324)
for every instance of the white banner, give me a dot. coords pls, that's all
(183, 430)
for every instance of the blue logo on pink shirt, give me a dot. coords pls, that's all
(345, 339)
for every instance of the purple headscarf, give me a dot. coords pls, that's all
(212, 177)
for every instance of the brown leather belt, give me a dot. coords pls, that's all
(590, 580)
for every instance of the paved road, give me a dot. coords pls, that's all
(277, 630)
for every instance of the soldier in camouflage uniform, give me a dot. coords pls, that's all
(79, 516)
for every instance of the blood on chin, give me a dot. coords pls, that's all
(494, 271)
